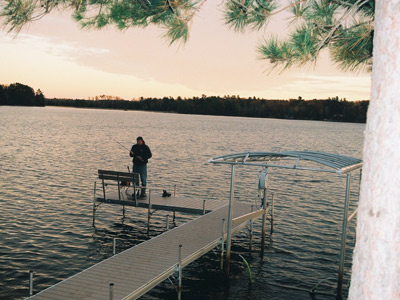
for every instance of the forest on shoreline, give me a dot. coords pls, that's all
(21, 95)
(331, 109)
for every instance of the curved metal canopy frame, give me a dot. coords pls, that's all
(333, 163)
(297, 160)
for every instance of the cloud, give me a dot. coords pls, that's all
(65, 49)
(314, 86)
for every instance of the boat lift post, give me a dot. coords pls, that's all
(230, 213)
(264, 221)
(344, 237)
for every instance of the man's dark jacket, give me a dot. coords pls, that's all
(142, 151)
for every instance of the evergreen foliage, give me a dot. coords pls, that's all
(345, 27)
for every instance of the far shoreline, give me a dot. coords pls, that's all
(327, 110)
(177, 113)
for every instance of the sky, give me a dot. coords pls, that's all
(55, 55)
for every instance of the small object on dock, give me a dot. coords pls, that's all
(166, 194)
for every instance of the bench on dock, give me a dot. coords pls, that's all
(122, 179)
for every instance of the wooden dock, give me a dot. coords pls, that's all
(137, 270)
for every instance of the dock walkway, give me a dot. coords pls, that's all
(173, 203)
(137, 270)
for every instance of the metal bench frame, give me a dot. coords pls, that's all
(119, 177)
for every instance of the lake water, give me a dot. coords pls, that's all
(49, 159)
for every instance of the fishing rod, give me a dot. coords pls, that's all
(122, 147)
(119, 143)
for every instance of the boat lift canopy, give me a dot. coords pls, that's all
(333, 163)
(296, 160)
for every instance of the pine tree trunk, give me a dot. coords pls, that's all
(376, 260)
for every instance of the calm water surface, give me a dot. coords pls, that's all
(49, 159)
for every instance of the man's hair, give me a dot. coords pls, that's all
(139, 138)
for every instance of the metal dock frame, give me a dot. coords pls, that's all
(328, 162)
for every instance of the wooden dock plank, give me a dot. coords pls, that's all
(142, 267)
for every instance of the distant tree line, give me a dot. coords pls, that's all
(331, 109)
(20, 94)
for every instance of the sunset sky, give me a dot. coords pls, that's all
(55, 55)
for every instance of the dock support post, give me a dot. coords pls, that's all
(204, 207)
(30, 283)
(344, 237)
(114, 245)
(222, 244)
(94, 204)
(104, 187)
(174, 190)
(119, 188)
(173, 217)
(264, 221)
(134, 192)
(167, 223)
(230, 214)
(149, 215)
(111, 291)
(251, 231)
(180, 273)
(272, 213)
(119, 196)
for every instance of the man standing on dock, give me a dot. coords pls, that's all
(141, 154)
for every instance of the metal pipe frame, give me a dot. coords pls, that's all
(134, 194)
(180, 273)
(344, 237)
(149, 215)
(94, 204)
(222, 244)
(251, 231)
(275, 166)
(167, 223)
(111, 291)
(230, 214)
(272, 213)
(340, 163)
(119, 188)
(104, 189)
(264, 221)
(30, 283)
